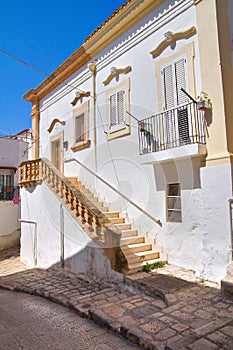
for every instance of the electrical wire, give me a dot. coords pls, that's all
(49, 76)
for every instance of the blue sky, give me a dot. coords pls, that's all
(43, 34)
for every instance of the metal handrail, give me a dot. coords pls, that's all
(115, 190)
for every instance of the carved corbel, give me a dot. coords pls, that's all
(171, 38)
(80, 95)
(56, 120)
(115, 72)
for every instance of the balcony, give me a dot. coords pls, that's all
(175, 133)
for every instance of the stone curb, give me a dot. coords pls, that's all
(97, 316)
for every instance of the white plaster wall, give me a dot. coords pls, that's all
(216, 240)
(9, 224)
(41, 242)
(118, 161)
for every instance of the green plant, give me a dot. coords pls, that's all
(203, 97)
(156, 265)
(202, 276)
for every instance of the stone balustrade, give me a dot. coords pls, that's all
(90, 217)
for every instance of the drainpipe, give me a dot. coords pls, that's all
(92, 68)
(34, 238)
(62, 261)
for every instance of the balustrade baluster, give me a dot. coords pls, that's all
(90, 220)
(83, 209)
(56, 184)
(77, 207)
(67, 194)
(72, 207)
(61, 186)
(98, 227)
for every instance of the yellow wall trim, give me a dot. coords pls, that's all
(220, 159)
(171, 39)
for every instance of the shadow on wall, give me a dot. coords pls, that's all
(186, 172)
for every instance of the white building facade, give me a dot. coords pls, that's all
(125, 109)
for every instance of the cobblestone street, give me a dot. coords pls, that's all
(190, 315)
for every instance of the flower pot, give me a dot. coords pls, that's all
(202, 105)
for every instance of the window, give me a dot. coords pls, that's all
(173, 73)
(174, 203)
(117, 102)
(81, 128)
(117, 109)
(6, 184)
(174, 78)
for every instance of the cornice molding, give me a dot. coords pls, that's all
(55, 121)
(119, 24)
(79, 96)
(116, 73)
(172, 37)
(77, 60)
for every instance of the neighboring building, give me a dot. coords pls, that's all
(124, 106)
(12, 152)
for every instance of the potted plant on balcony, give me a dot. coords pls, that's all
(203, 101)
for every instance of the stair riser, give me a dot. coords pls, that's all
(129, 233)
(136, 249)
(143, 258)
(117, 220)
(132, 240)
(123, 226)
(112, 215)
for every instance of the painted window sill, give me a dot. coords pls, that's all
(78, 146)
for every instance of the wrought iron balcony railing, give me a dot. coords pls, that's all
(176, 127)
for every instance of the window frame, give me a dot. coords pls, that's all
(120, 129)
(172, 209)
(82, 110)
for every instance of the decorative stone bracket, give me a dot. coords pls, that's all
(171, 38)
(55, 121)
(115, 73)
(80, 95)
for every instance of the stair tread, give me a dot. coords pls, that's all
(146, 252)
(136, 245)
(142, 263)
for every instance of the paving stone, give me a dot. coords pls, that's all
(203, 344)
(187, 318)
(221, 340)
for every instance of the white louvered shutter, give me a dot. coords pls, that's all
(121, 106)
(113, 110)
(117, 108)
(168, 87)
(180, 79)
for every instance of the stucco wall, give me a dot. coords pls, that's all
(9, 224)
(41, 240)
(189, 243)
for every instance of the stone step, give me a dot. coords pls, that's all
(124, 226)
(136, 248)
(136, 267)
(142, 256)
(128, 233)
(227, 282)
(125, 241)
(117, 220)
(112, 214)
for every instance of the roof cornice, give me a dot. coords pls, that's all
(126, 18)
(122, 20)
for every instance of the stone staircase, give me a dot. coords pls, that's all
(227, 282)
(138, 249)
